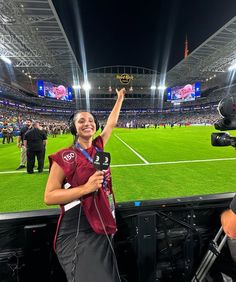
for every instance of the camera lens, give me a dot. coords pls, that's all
(220, 139)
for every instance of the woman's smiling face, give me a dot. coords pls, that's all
(85, 124)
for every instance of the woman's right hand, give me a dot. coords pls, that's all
(94, 182)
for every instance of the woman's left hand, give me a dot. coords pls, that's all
(228, 221)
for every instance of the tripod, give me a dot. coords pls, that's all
(211, 255)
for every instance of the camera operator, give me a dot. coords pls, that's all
(227, 110)
(228, 220)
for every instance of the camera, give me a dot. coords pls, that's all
(227, 109)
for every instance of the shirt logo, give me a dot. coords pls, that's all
(69, 156)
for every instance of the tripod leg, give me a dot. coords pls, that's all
(210, 257)
(213, 258)
(232, 248)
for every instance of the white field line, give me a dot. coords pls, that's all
(19, 171)
(176, 162)
(146, 164)
(137, 154)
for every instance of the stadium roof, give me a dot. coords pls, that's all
(213, 56)
(31, 35)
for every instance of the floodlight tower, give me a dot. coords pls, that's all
(186, 50)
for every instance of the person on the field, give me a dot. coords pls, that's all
(5, 135)
(35, 142)
(20, 143)
(10, 134)
(228, 220)
(87, 222)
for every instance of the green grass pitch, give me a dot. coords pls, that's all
(146, 164)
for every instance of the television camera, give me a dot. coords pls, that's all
(227, 109)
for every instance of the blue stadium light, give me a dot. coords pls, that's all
(6, 60)
(40, 84)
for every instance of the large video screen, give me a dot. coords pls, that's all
(185, 93)
(50, 90)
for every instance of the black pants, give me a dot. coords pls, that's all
(5, 137)
(31, 160)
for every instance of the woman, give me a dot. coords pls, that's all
(87, 222)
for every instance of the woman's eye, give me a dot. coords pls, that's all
(83, 121)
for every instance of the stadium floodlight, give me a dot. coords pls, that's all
(153, 87)
(232, 67)
(86, 86)
(6, 60)
(76, 86)
(161, 87)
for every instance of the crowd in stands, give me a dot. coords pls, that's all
(16, 106)
(12, 120)
(175, 118)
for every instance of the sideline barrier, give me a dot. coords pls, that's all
(157, 240)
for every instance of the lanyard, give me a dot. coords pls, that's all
(89, 158)
(85, 153)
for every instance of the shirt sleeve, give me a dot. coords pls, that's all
(233, 204)
(53, 158)
(66, 159)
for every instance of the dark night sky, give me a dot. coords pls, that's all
(141, 33)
